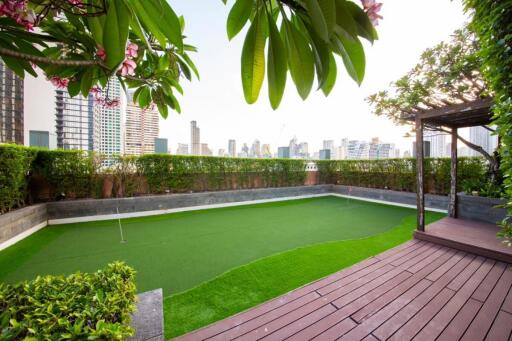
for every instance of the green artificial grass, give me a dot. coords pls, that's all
(195, 250)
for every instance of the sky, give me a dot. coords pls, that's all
(216, 101)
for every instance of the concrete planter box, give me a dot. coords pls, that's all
(480, 208)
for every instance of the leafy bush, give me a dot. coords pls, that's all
(71, 173)
(81, 306)
(15, 164)
(400, 174)
(491, 22)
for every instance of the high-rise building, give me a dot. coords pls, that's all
(141, 129)
(195, 139)
(161, 145)
(358, 150)
(11, 106)
(483, 138)
(182, 149)
(293, 148)
(342, 150)
(325, 154)
(373, 150)
(77, 125)
(329, 144)
(244, 152)
(426, 149)
(232, 148)
(255, 149)
(437, 143)
(303, 150)
(221, 152)
(283, 152)
(111, 123)
(205, 150)
(265, 151)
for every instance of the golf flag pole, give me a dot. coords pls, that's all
(120, 226)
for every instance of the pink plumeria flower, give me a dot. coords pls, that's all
(132, 50)
(372, 9)
(59, 83)
(101, 54)
(128, 67)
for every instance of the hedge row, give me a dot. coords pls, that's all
(34, 175)
(81, 306)
(400, 174)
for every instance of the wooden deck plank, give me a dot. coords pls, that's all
(422, 318)
(459, 281)
(501, 329)
(507, 305)
(335, 331)
(460, 323)
(370, 324)
(439, 258)
(435, 327)
(485, 288)
(404, 315)
(485, 317)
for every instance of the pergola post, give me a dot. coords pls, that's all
(420, 184)
(452, 210)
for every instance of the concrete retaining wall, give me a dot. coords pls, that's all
(18, 224)
(480, 208)
(93, 207)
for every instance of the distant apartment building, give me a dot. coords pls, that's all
(77, 125)
(255, 149)
(358, 150)
(426, 149)
(324, 154)
(438, 143)
(161, 146)
(379, 150)
(283, 152)
(232, 148)
(329, 144)
(111, 123)
(265, 151)
(303, 150)
(341, 151)
(221, 152)
(483, 138)
(244, 152)
(142, 129)
(182, 149)
(205, 150)
(11, 106)
(293, 148)
(195, 139)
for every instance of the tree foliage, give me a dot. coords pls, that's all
(493, 26)
(80, 44)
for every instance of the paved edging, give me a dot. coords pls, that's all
(148, 320)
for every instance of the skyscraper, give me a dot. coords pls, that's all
(111, 122)
(265, 151)
(161, 145)
(255, 149)
(232, 148)
(437, 143)
(484, 138)
(325, 154)
(283, 152)
(293, 147)
(358, 150)
(329, 144)
(141, 130)
(11, 106)
(205, 150)
(303, 151)
(182, 149)
(77, 126)
(195, 139)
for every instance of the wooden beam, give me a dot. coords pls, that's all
(452, 209)
(480, 105)
(420, 183)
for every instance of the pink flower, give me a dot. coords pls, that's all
(101, 54)
(372, 9)
(18, 11)
(60, 83)
(128, 67)
(132, 50)
(114, 103)
(76, 3)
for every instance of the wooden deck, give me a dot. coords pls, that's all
(471, 236)
(419, 290)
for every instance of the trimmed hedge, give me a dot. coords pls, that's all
(82, 306)
(400, 174)
(15, 164)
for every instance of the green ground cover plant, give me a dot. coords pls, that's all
(81, 306)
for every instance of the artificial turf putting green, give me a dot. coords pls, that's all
(181, 251)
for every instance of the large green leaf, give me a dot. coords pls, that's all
(351, 51)
(166, 20)
(277, 65)
(344, 17)
(146, 19)
(364, 26)
(238, 16)
(331, 76)
(321, 53)
(300, 59)
(329, 11)
(253, 61)
(115, 33)
(317, 18)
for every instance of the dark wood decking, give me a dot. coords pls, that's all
(472, 236)
(419, 290)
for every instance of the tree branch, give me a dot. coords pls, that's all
(46, 60)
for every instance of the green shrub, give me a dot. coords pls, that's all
(81, 306)
(15, 164)
(69, 172)
(400, 174)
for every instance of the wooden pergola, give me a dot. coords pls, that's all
(469, 114)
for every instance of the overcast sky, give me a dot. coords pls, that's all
(216, 101)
